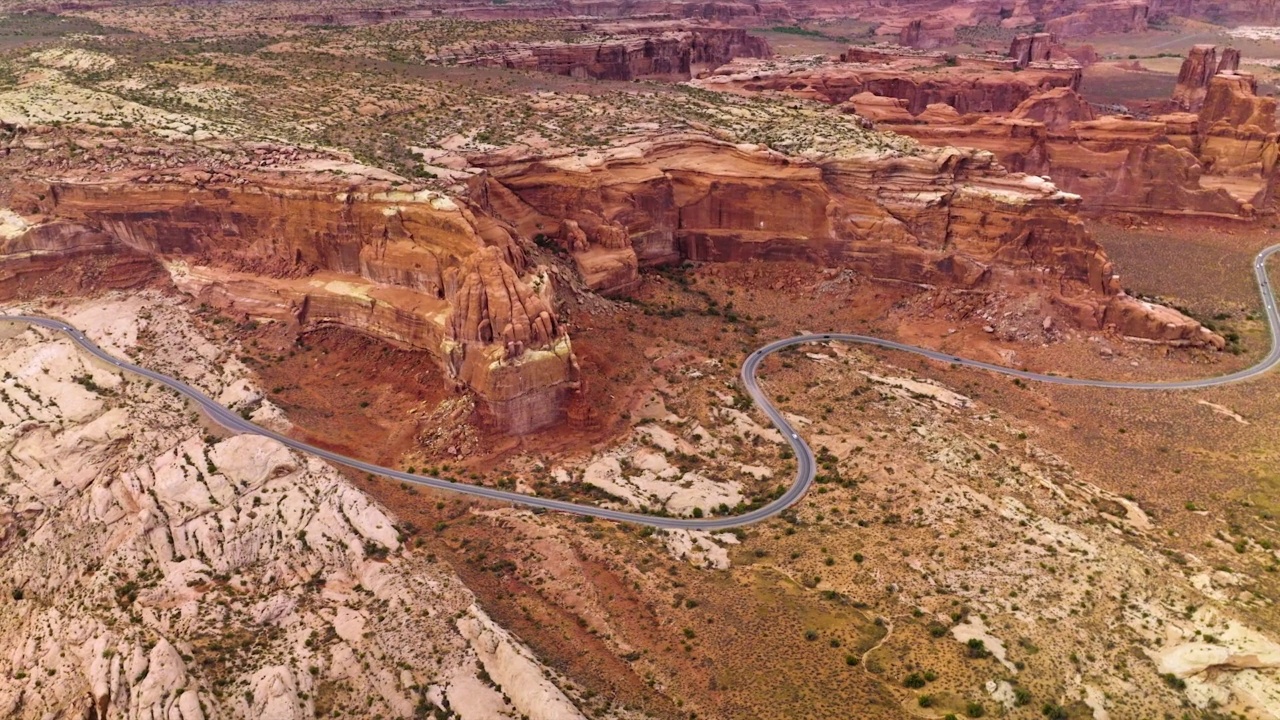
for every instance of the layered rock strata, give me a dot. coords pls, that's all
(153, 570)
(1026, 49)
(927, 33)
(1200, 66)
(1095, 18)
(668, 55)
(415, 269)
(941, 217)
(967, 84)
(1217, 161)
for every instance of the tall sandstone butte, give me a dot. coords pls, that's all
(668, 55)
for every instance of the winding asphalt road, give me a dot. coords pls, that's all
(803, 454)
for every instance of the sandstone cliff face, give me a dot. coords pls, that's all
(1237, 129)
(1215, 162)
(38, 259)
(971, 86)
(153, 570)
(1199, 67)
(1117, 164)
(948, 217)
(1123, 16)
(670, 55)
(1026, 49)
(387, 263)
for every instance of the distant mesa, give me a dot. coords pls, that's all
(1215, 155)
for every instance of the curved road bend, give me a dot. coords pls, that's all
(804, 456)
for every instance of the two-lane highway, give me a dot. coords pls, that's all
(803, 455)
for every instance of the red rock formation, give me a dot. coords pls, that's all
(1231, 99)
(969, 86)
(1217, 162)
(927, 33)
(671, 55)
(877, 109)
(416, 269)
(1115, 164)
(47, 259)
(949, 217)
(1055, 109)
(1193, 77)
(1237, 131)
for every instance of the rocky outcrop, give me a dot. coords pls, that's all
(969, 85)
(1026, 49)
(671, 55)
(416, 269)
(1116, 164)
(1094, 18)
(1236, 131)
(155, 570)
(47, 258)
(927, 33)
(1199, 67)
(943, 217)
(1055, 109)
(1216, 162)
(502, 336)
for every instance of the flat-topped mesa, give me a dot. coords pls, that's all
(948, 217)
(671, 55)
(413, 268)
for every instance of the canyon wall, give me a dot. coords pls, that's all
(1216, 161)
(668, 55)
(415, 269)
(1116, 16)
(152, 566)
(947, 217)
